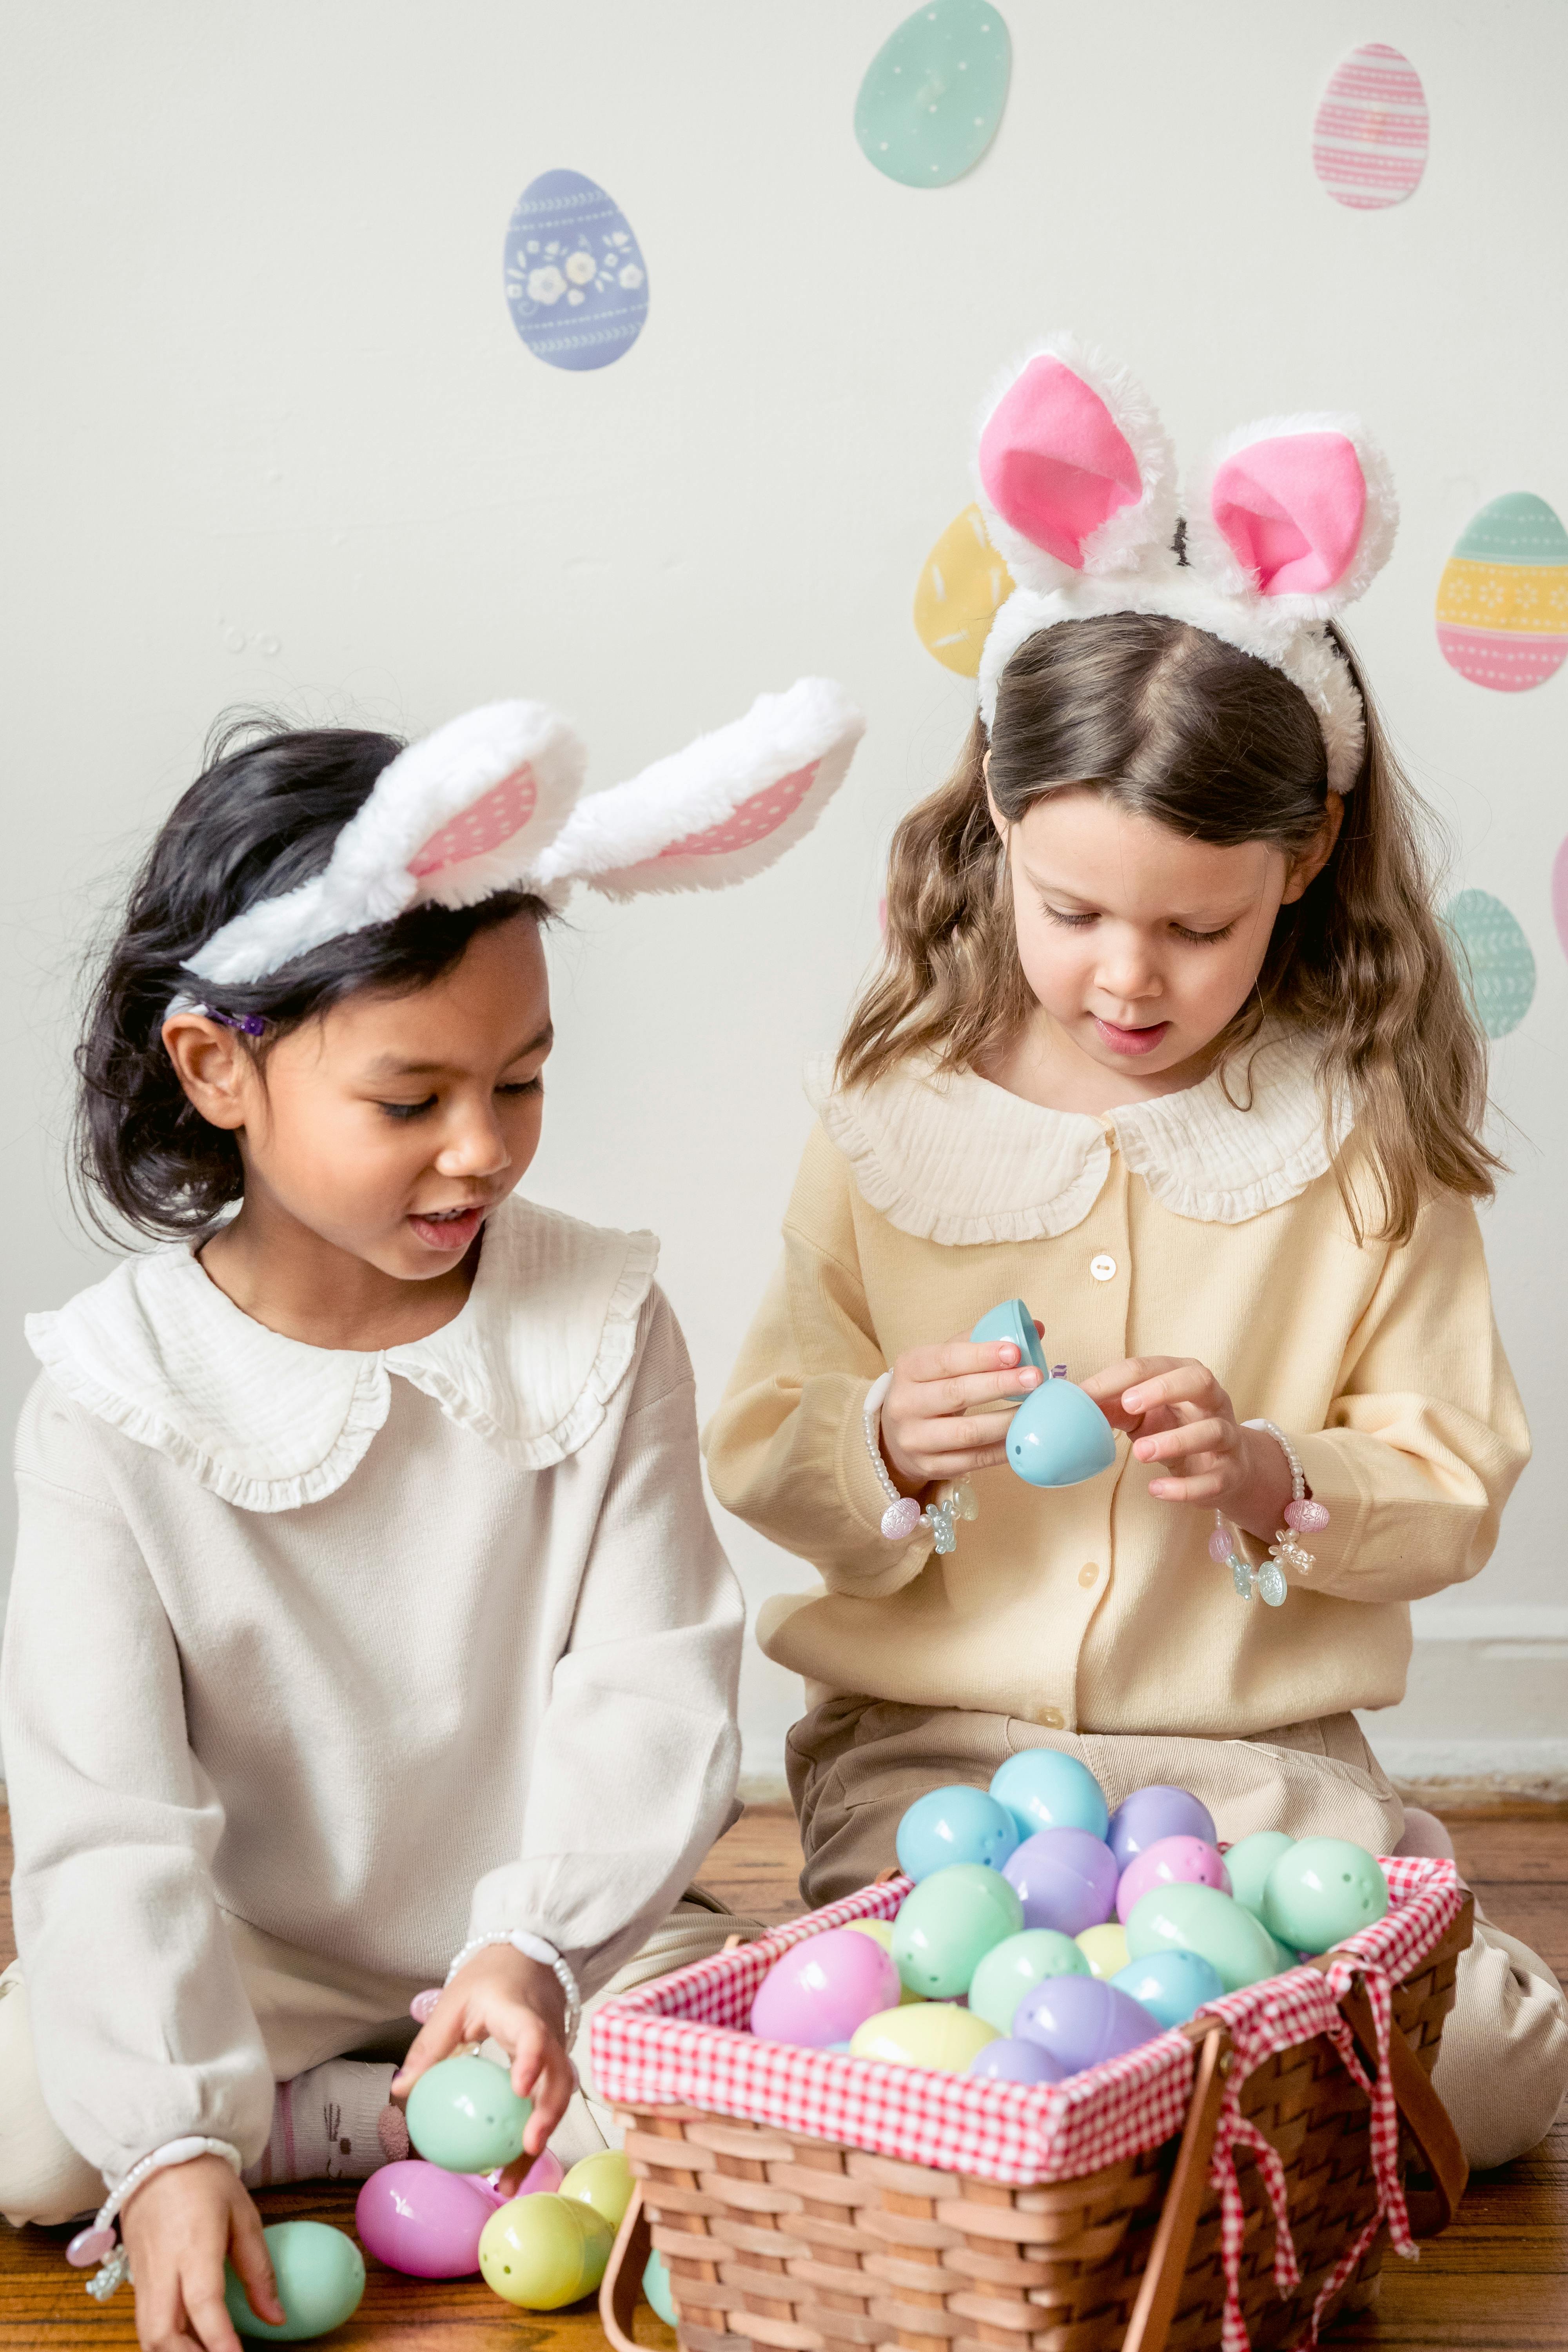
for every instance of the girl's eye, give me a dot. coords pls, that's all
(405, 1110)
(1068, 923)
(534, 1085)
(1204, 938)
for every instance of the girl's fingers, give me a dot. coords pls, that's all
(1186, 1437)
(248, 2252)
(1203, 1489)
(208, 2321)
(1184, 1383)
(939, 1440)
(437, 2038)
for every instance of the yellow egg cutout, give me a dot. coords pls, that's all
(963, 584)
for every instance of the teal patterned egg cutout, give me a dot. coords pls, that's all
(1495, 961)
(933, 97)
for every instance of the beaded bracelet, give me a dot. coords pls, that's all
(97, 2243)
(904, 1513)
(532, 1947)
(1304, 1516)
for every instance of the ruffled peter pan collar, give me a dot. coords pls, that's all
(539, 1346)
(956, 1160)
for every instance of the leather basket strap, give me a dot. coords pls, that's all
(1161, 2285)
(622, 2282)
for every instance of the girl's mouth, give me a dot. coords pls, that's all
(1131, 1040)
(447, 1230)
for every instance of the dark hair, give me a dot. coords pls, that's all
(1175, 725)
(261, 818)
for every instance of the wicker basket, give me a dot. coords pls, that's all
(774, 2239)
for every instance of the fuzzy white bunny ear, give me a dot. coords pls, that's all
(722, 809)
(1075, 470)
(465, 812)
(1296, 512)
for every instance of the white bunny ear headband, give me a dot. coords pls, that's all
(490, 803)
(1287, 522)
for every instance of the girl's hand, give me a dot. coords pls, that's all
(925, 1435)
(1181, 1418)
(177, 2228)
(500, 1996)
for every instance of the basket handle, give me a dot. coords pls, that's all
(1161, 2285)
(622, 2282)
(1426, 2117)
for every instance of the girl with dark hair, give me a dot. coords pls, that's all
(370, 1644)
(1168, 1040)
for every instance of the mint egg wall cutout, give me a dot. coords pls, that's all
(1502, 601)
(933, 97)
(576, 283)
(1495, 962)
(1370, 134)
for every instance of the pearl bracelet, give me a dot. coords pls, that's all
(97, 2243)
(532, 1947)
(904, 1513)
(1304, 1516)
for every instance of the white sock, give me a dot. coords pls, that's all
(324, 2125)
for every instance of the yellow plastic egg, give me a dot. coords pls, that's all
(1105, 1949)
(926, 2033)
(604, 2182)
(963, 584)
(882, 1932)
(542, 2251)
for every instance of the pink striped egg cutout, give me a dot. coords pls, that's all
(1370, 137)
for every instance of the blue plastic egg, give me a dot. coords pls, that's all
(956, 1825)
(1058, 1438)
(1171, 1985)
(1011, 1320)
(576, 283)
(1044, 1789)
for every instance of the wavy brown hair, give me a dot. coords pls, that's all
(1173, 724)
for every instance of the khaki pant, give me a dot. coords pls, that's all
(308, 2010)
(855, 1763)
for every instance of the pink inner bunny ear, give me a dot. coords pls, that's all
(752, 821)
(1291, 510)
(485, 824)
(1053, 462)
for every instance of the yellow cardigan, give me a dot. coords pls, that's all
(1181, 1226)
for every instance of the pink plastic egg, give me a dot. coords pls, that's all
(418, 2219)
(1172, 1862)
(824, 1989)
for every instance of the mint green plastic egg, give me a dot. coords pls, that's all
(1321, 1891)
(321, 2278)
(1249, 1862)
(464, 2115)
(946, 1926)
(1192, 1919)
(1016, 1965)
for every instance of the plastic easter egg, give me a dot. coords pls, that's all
(957, 1825)
(604, 2181)
(1104, 1948)
(655, 2287)
(822, 1990)
(1044, 1789)
(930, 2034)
(1011, 1320)
(1160, 1812)
(1015, 2062)
(1172, 1986)
(1200, 1919)
(880, 1932)
(576, 283)
(933, 96)
(1058, 1438)
(319, 2275)
(1502, 601)
(1321, 1891)
(418, 2219)
(946, 1926)
(1494, 959)
(1249, 1862)
(963, 587)
(464, 2115)
(1082, 2022)
(542, 2251)
(1369, 140)
(1171, 1861)
(1016, 1965)
(1066, 1879)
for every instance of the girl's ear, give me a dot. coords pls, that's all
(1299, 512)
(724, 808)
(1305, 869)
(211, 1066)
(1075, 470)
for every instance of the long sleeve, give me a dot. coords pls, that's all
(143, 2028)
(638, 1753)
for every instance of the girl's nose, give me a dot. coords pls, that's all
(1129, 973)
(474, 1146)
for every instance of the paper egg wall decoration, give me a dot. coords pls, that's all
(1502, 602)
(1369, 141)
(963, 584)
(576, 283)
(1495, 961)
(933, 94)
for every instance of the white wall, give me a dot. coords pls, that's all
(270, 435)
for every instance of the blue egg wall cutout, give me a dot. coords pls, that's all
(576, 283)
(1496, 962)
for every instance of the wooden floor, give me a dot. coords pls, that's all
(1497, 2282)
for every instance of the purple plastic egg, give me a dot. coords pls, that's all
(1015, 2062)
(1150, 1815)
(1083, 2020)
(1172, 1862)
(1065, 1879)
(824, 1989)
(425, 2221)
